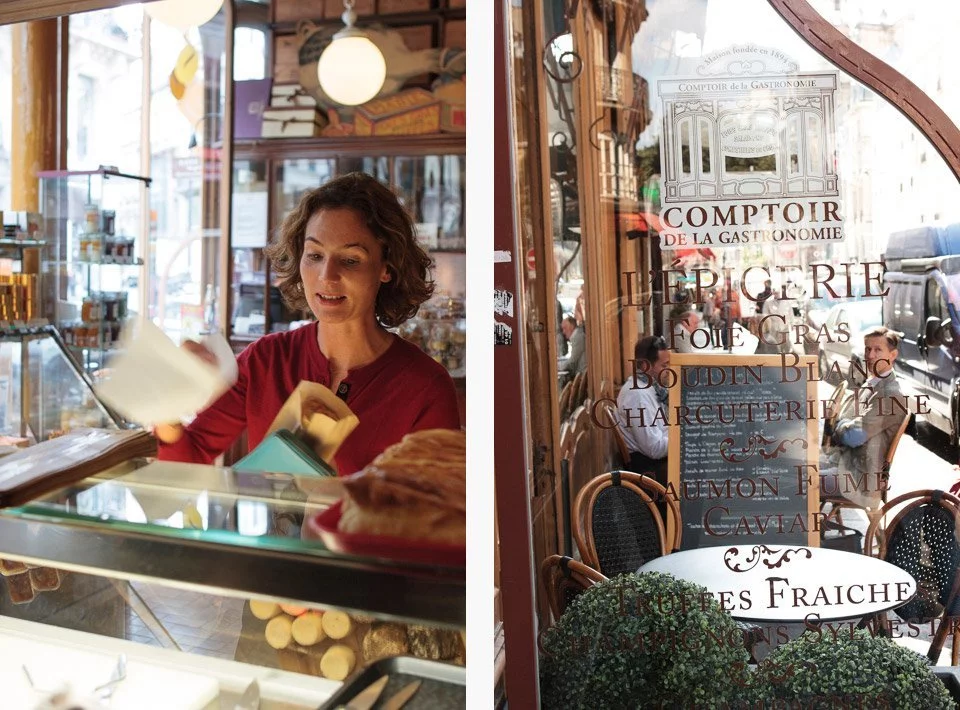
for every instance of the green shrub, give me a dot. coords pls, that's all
(844, 672)
(643, 641)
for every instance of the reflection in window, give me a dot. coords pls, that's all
(935, 303)
(706, 147)
(793, 145)
(764, 163)
(248, 54)
(814, 144)
(685, 146)
(252, 518)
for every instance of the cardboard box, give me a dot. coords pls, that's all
(453, 115)
(411, 112)
(285, 95)
(453, 118)
(292, 122)
(250, 100)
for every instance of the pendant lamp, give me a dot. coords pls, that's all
(183, 14)
(351, 69)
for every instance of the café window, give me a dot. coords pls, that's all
(776, 182)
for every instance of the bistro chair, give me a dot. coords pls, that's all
(607, 408)
(922, 540)
(575, 390)
(573, 452)
(838, 502)
(564, 579)
(617, 525)
(835, 399)
(580, 396)
(565, 398)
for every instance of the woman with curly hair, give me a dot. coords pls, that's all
(348, 254)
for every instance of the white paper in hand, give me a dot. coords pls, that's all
(152, 381)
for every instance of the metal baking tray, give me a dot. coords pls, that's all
(444, 685)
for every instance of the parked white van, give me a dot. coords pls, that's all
(923, 303)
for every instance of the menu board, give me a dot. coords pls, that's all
(743, 449)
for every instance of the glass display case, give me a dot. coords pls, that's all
(90, 221)
(43, 391)
(184, 568)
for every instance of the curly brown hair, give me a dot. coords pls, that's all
(407, 263)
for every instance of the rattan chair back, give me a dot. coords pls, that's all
(922, 539)
(564, 579)
(617, 525)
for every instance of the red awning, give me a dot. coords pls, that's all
(693, 253)
(640, 222)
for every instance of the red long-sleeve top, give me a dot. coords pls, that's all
(402, 391)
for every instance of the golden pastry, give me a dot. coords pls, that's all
(415, 489)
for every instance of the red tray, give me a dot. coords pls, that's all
(323, 525)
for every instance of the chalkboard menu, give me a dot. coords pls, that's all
(743, 446)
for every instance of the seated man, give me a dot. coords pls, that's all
(577, 358)
(637, 406)
(865, 426)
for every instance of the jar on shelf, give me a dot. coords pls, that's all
(94, 246)
(110, 306)
(458, 334)
(438, 342)
(456, 308)
(90, 310)
(92, 217)
(108, 220)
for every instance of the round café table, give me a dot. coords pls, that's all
(788, 584)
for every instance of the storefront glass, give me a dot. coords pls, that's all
(699, 172)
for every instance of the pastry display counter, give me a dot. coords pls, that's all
(173, 554)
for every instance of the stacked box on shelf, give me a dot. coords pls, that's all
(292, 113)
(409, 112)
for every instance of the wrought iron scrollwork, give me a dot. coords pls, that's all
(567, 60)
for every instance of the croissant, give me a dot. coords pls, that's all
(414, 489)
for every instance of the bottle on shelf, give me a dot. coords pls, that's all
(210, 310)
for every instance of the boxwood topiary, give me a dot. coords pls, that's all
(643, 641)
(850, 671)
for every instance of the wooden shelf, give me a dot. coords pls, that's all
(351, 146)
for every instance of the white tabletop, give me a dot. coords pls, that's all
(791, 583)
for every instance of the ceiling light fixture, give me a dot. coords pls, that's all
(183, 14)
(351, 69)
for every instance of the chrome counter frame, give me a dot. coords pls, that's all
(386, 589)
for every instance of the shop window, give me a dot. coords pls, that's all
(249, 54)
(104, 78)
(185, 132)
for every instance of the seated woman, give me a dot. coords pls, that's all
(348, 253)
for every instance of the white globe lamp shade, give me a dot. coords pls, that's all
(183, 14)
(351, 69)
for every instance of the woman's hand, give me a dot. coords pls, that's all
(172, 433)
(200, 350)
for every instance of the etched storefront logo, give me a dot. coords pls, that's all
(748, 156)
